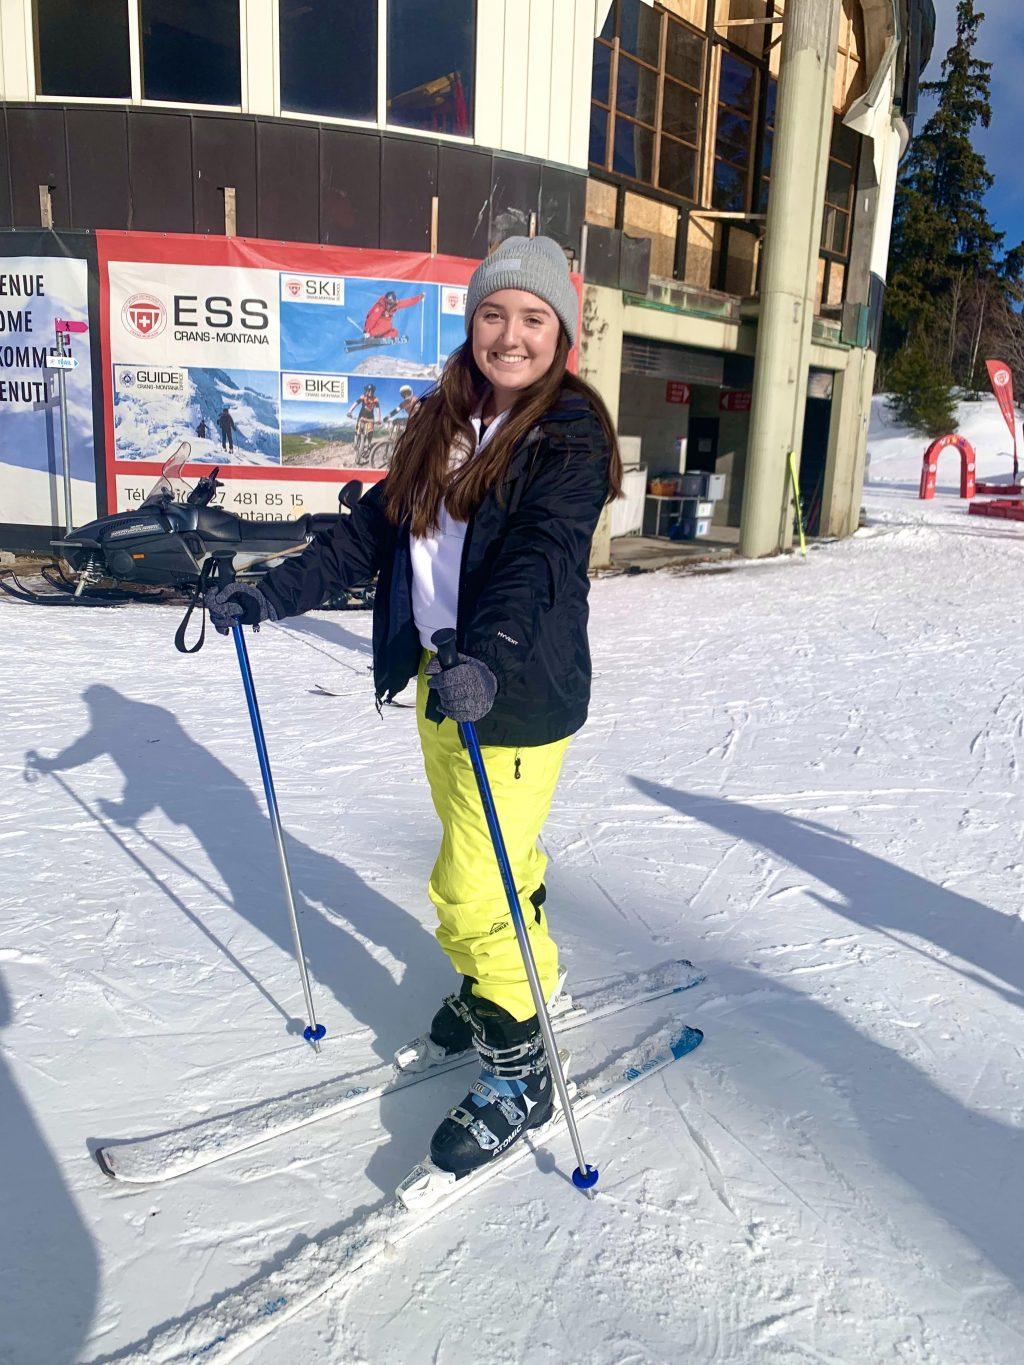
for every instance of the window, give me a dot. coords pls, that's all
(648, 73)
(734, 135)
(431, 57)
(67, 28)
(329, 58)
(842, 175)
(190, 52)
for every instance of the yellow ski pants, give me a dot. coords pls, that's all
(475, 928)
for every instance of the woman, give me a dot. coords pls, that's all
(483, 524)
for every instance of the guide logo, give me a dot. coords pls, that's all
(144, 316)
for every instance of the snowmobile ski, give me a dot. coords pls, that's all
(166, 1155)
(235, 1322)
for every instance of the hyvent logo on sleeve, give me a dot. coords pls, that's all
(507, 638)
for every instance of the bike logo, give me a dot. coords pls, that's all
(144, 316)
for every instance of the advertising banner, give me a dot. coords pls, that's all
(294, 368)
(35, 290)
(1001, 378)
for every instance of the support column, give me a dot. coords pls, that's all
(601, 365)
(789, 269)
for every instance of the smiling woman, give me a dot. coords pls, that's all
(483, 526)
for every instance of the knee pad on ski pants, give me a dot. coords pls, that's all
(475, 928)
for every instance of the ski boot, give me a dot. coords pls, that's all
(514, 1092)
(450, 1035)
(451, 1030)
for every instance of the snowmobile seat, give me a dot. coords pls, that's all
(217, 526)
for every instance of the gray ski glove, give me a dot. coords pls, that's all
(238, 604)
(465, 692)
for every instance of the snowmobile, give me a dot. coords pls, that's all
(172, 541)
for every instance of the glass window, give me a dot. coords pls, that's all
(634, 150)
(602, 73)
(680, 114)
(637, 93)
(640, 30)
(678, 170)
(737, 83)
(598, 135)
(734, 136)
(329, 58)
(190, 52)
(431, 57)
(730, 188)
(840, 181)
(653, 79)
(66, 30)
(684, 55)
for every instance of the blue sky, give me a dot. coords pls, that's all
(1000, 41)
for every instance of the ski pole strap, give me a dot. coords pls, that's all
(202, 583)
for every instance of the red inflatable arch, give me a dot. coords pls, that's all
(931, 465)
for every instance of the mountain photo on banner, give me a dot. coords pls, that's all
(383, 326)
(329, 435)
(228, 416)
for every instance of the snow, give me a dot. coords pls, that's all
(811, 785)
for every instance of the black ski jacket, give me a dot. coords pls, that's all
(522, 589)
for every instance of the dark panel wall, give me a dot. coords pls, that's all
(38, 156)
(160, 202)
(463, 189)
(165, 171)
(349, 188)
(223, 154)
(98, 168)
(287, 157)
(408, 182)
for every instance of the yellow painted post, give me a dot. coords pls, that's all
(794, 479)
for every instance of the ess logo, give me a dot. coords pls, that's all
(294, 386)
(294, 287)
(1002, 376)
(144, 315)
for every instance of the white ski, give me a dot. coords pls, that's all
(237, 1321)
(165, 1155)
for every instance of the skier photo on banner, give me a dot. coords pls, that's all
(483, 526)
(227, 429)
(379, 325)
(366, 409)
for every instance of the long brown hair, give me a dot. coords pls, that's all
(421, 477)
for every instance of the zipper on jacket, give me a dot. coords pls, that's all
(460, 610)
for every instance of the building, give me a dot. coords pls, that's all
(722, 173)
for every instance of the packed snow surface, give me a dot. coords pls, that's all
(808, 777)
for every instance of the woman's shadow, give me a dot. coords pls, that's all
(166, 770)
(49, 1268)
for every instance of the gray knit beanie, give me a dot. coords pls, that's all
(536, 264)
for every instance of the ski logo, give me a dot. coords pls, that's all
(144, 316)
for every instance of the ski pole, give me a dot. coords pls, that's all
(313, 1031)
(584, 1177)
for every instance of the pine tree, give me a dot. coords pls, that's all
(921, 389)
(944, 244)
